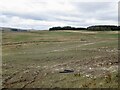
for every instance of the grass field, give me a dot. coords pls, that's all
(35, 59)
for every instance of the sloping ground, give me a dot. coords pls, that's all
(93, 60)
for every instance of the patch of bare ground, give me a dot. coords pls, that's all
(89, 67)
(95, 66)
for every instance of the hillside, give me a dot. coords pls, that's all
(60, 59)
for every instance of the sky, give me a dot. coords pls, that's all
(43, 14)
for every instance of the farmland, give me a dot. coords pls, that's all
(34, 59)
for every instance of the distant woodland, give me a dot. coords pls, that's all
(90, 28)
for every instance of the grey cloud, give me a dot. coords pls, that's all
(101, 11)
(85, 11)
(26, 15)
(92, 7)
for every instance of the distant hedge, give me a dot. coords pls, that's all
(90, 28)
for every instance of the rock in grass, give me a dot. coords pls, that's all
(66, 71)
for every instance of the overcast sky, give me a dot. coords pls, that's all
(43, 14)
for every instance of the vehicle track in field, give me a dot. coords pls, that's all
(5, 81)
(51, 69)
(63, 49)
(34, 78)
(25, 42)
(63, 65)
(87, 70)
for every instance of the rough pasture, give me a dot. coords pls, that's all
(35, 59)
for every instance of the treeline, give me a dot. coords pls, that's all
(90, 28)
(103, 28)
(66, 28)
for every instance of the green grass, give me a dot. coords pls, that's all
(108, 35)
(61, 48)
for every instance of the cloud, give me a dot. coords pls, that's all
(42, 14)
